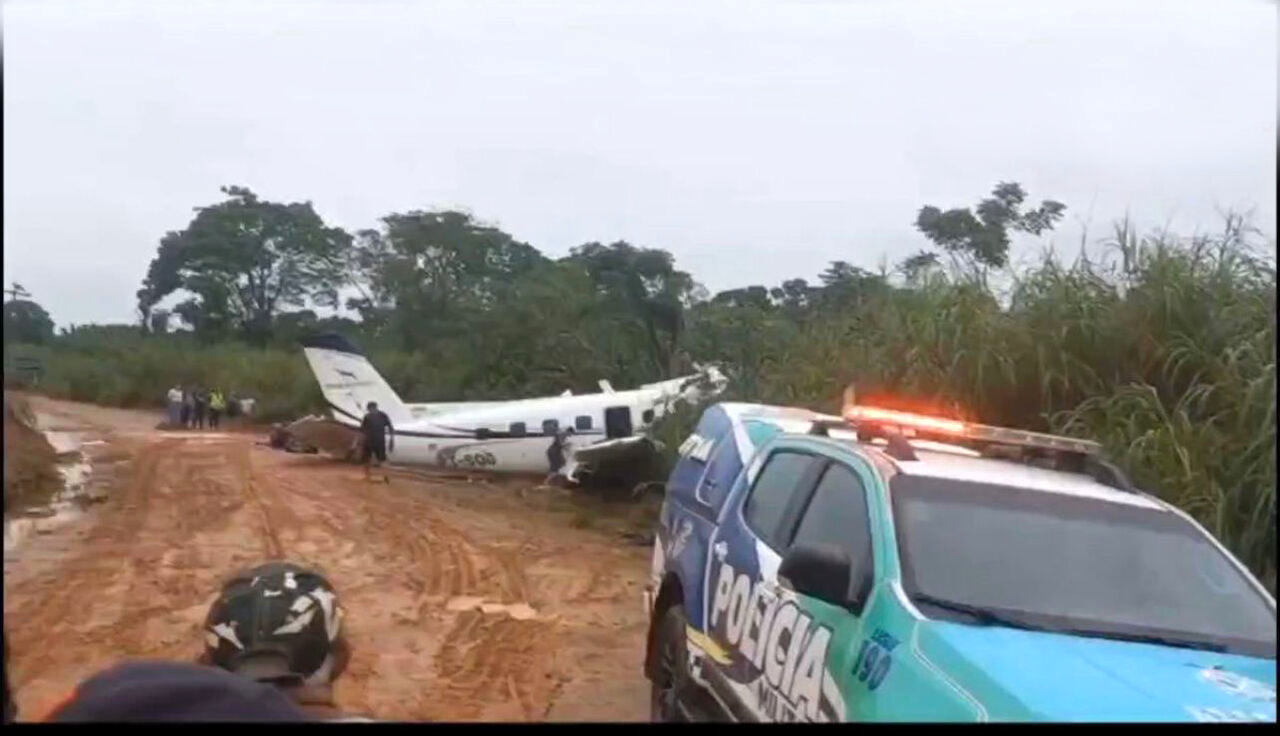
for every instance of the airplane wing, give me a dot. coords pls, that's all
(623, 448)
(601, 456)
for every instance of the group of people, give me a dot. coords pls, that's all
(274, 643)
(190, 407)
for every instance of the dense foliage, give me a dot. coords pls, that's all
(1161, 347)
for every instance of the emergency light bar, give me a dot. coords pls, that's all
(942, 429)
(898, 427)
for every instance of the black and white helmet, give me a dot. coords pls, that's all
(280, 623)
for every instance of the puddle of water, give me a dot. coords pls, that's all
(67, 505)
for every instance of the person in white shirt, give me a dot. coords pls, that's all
(175, 407)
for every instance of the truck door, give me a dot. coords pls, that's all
(843, 658)
(741, 579)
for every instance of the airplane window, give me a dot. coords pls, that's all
(647, 416)
(550, 427)
(516, 429)
(582, 422)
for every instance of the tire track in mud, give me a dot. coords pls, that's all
(186, 510)
(491, 660)
(59, 600)
(486, 665)
(149, 559)
(194, 500)
(441, 561)
(90, 599)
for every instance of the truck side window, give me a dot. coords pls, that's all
(767, 503)
(837, 516)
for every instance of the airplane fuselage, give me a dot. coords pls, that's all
(501, 436)
(515, 436)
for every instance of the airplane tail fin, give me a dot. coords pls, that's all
(349, 381)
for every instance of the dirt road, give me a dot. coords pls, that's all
(432, 574)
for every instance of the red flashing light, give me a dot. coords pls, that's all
(904, 419)
(910, 424)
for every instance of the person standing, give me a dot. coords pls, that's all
(379, 436)
(200, 404)
(556, 453)
(175, 406)
(217, 405)
(188, 405)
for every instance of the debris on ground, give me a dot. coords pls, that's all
(281, 438)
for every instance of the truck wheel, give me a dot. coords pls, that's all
(671, 675)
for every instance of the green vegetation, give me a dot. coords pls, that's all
(1161, 347)
(24, 320)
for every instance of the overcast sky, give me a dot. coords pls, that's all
(754, 140)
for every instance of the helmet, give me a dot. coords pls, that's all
(278, 622)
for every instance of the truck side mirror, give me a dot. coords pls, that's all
(822, 571)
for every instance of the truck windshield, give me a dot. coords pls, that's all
(981, 553)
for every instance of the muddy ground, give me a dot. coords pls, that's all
(432, 573)
(30, 473)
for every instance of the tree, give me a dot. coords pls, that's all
(244, 259)
(431, 268)
(845, 285)
(26, 321)
(747, 296)
(641, 286)
(915, 267)
(982, 239)
(795, 296)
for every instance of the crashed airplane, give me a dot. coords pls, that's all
(597, 430)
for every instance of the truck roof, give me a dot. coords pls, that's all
(941, 460)
(964, 466)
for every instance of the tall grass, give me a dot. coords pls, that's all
(1162, 348)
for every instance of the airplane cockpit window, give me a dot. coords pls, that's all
(581, 423)
(516, 429)
(550, 427)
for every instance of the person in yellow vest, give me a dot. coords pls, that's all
(217, 405)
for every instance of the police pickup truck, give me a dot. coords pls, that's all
(886, 566)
